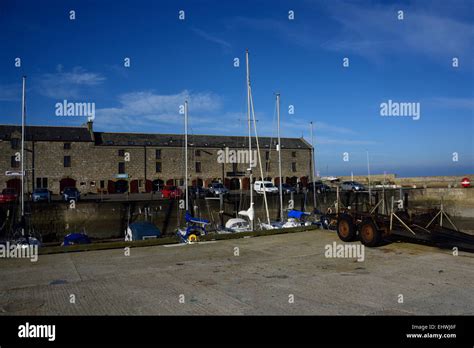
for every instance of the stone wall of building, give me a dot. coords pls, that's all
(95, 167)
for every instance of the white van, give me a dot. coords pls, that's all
(267, 186)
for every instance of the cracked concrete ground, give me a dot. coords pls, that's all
(268, 273)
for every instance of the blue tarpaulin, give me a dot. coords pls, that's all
(297, 214)
(141, 229)
(76, 238)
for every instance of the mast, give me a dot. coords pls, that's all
(250, 132)
(186, 150)
(279, 157)
(22, 194)
(368, 172)
(313, 175)
(259, 158)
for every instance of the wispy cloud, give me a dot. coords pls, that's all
(67, 84)
(374, 31)
(150, 112)
(212, 38)
(10, 92)
(453, 103)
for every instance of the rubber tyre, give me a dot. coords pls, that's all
(345, 228)
(369, 234)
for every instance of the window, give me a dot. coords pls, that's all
(67, 161)
(267, 155)
(293, 166)
(41, 182)
(198, 167)
(14, 163)
(121, 153)
(15, 143)
(158, 154)
(158, 167)
(121, 168)
(102, 184)
(67, 146)
(198, 153)
(234, 167)
(293, 154)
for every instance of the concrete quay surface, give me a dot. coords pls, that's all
(285, 274)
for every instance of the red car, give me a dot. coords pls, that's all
(8, 195)
(170, 191)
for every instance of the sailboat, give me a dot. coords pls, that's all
(295, 218)
(195, 227)
(239, 224)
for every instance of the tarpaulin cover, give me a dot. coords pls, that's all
(296, 214)
(142, 229)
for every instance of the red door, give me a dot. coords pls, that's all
(111, 186)
(66, 182)
(134, 186)
(15, 184)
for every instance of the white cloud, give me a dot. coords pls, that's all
(212, 38)
(67, 84)
(453, 103)
(374, 31)
(150, 112)
(10, 92)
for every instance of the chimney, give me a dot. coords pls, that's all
(91, 128)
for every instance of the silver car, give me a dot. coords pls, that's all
(352, 186)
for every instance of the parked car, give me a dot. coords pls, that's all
(41, 194)
(216, 188)
(197, 191)
(71, 193)
(8, 195)
(171, 191)
(352, 186)
(264, 186)
(320, 187)
(287, 188)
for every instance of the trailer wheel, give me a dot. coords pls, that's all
(192, 238)
(369, 234)
(345, 228)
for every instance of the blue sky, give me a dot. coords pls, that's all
(82, 60)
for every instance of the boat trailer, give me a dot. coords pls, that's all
(380, 223)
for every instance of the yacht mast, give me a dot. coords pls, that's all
(250, 132)
(22, 194)
(279, 157)
(313, 170)
(186, 150)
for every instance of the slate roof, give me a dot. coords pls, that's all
(82, 134)
(47, 133)
(177, 140)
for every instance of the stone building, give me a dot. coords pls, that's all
(58, 157)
